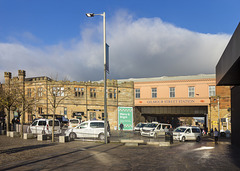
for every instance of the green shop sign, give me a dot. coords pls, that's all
(125, 116)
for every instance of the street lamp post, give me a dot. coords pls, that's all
(105, 72)
(218, 115)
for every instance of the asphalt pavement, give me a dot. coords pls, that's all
(19, 154)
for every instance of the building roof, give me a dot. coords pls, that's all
(171, 78)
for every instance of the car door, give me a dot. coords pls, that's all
(158, 130)
(81, 130)
(191, 135)
(41, 126)
(33, 127)
(188, 134)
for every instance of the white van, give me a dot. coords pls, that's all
(73, 123)
(184, 133)
(88, 129)
(155, 129)
(44, 126)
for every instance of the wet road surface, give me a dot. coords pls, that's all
(20, 154)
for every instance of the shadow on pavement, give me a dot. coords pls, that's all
(49, 158)
(24, 148)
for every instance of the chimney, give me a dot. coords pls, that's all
(21, 75)
(7, 77)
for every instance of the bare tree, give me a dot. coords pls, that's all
(9, 100)
(58, 91)
(25, 104)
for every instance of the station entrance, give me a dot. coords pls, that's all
(169, 114)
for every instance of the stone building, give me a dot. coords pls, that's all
(167, 99)
(219, 113)
(84, 100)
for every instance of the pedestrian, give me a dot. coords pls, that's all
(121, 129)
(171, 134)
(13, 123)
(121, 126)
(215, 135)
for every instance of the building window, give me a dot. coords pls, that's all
(110, 96)
(65, 111)
(212, 91)
(172, 91)
(154, 92)
(137, 93)
(40, 91)
(191, 91)
(79, 92)
(92, 92)
(58, 91)
(92, 115)
(29, 92)
(115, 93)
(40, 110)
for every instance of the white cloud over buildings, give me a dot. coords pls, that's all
(144, 47)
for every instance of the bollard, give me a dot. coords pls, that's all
(63, 139)
(41, 137)
(28, 136)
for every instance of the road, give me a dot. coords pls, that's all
(19, 154)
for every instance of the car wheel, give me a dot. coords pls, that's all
(183, 139)
(101, 136)
(72, 136)
(43, 132)
(198, 139)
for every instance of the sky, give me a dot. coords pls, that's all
(147, 38)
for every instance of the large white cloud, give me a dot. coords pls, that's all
(145, 47)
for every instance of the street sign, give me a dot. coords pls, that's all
(107, 58)
(125, 116)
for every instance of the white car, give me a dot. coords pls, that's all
(44, 126)
(184, 133)
(73, 123)
(139, 126)
(88, 129)
(155, 129)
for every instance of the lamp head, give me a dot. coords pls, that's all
(90, 14)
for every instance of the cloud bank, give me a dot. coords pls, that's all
(144, 47)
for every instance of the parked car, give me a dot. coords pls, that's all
(44, 126)
(73, 123)
(155, 129)
(139, 126)
(184, 133)
(88, 129)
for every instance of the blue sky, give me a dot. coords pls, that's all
(147, 38)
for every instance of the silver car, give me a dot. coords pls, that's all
(184, 133)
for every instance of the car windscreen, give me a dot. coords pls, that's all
(151, 125)
(138, 125)
(74, 121)
(56, 123)
(83, 125)
(179, 130)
